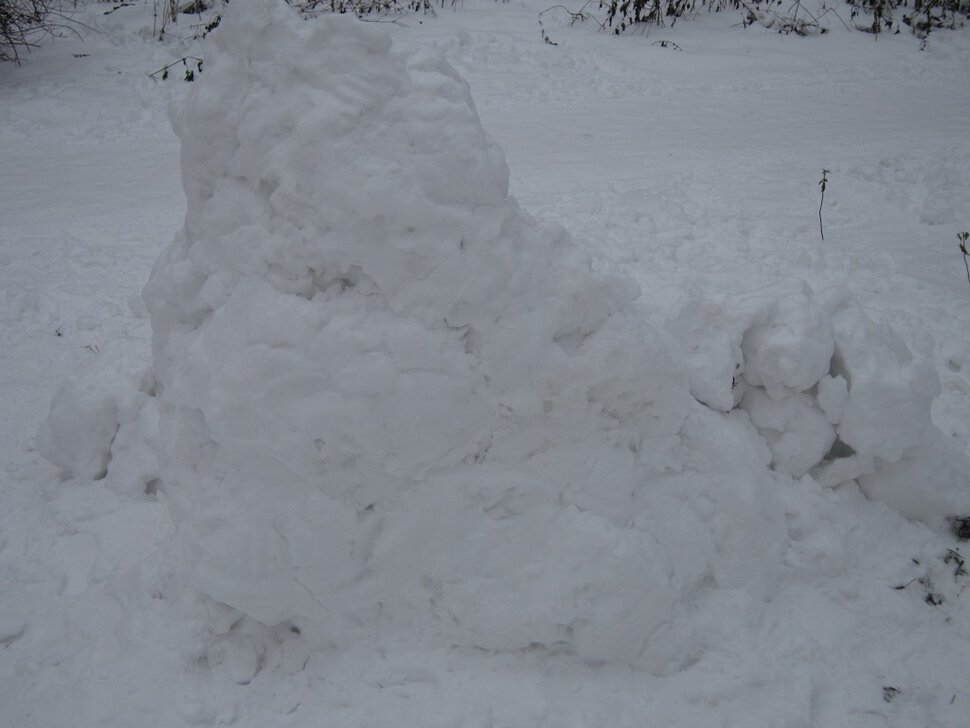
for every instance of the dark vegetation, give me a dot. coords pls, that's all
(24, 23)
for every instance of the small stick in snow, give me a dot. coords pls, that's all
(822, 183)
(189, 73)
(962, 238)
(574, 17)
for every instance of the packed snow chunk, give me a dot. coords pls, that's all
(929, 484)
(789, 345)
(777, 338)
(387, 395)
(796, 429)
(889, 393)
(832, 395)
(104, 414)
(77, 434)
(710, 333)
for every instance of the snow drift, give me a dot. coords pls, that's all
(391, 400)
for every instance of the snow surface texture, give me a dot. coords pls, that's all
(390, 398)
(851, 616)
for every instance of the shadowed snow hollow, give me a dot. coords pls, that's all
(390, 399)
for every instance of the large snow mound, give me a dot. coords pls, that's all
(391, 400)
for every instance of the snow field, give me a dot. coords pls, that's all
(570, 538)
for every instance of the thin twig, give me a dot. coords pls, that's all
(963, 237)
(822, 183)
(575, 16)
(182, 60)
(836, 13)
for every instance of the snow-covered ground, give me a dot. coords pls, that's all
(646, 556)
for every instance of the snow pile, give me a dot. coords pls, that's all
(754, 596)
(834, 393)
(391, 403)
(387, 395)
